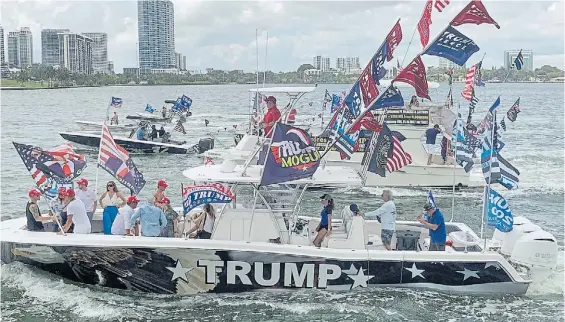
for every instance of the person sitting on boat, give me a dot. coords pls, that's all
(172, 215)
(154, 134)
(76, 213)
(355, 210)
(272, 116)
(325, 227)
(140, 133)
(203, 222)
(431, 135)
(151, 219)
(33, 215)
(436, 224)
(159, 194)
(114, 119)
(88, 197)
(110, 200)
(414, 101)
(166, 137)
(58, 208)
(122, 225)
(386, 215)
(291, 118)
(162, 132)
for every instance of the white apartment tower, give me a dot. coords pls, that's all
(20, 48)
(99, 52)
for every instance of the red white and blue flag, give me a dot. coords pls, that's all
(117, 162)
(195, 196)
(116, 102)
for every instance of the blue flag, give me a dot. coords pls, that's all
(494, 105)
(377, 70)
(194, 196)
(431, 199)
(391, 97)
(336, 102)
(454, 46)
(116, 101)
(183, 103)
(292, 156)
(149, 109)
(353, 100)
(498, 212)
(518, 61)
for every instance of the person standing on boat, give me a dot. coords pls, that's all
(431, 135)
(159, 194)
(76, 215)
(57, 208)
(272, 116)
(122, 224)
(171, 215)
(255, 122)
(140, 133)
(151, 218)
(114, 119)
(325, 227)
(154, 133)
(164, 111)
(110, 200)
(436, 224)
(386, 215)
(162, 132)
(88, 197)
(33, 215)
(203, 222)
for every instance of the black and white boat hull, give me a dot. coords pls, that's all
(138, 146)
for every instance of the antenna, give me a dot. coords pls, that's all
(266, 47)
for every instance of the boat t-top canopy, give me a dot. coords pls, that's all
(290, 90)
(329, 176)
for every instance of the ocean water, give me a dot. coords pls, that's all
(534, 144)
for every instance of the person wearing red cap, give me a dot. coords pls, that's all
(76, 215)
(33, 215)
(87, 196)
(272, 116)
(122, 224)
(159, 194)
(110, 201)
(57, 208)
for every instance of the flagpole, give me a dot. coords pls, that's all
(414, 33)
(98, 160)
(459, 120)
(487, 190)
(266, 48)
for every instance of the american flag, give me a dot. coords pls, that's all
(441, 4)
(512, 113)
(179, 128)
(116, 102)
(467, 92)
(208, 161)
(399, 157)
(117, 162)
(51, 166)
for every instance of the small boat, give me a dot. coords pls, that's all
(262, 243)
(92, 140)
(97, 126)
(149, 117)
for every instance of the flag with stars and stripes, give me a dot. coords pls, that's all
(346, 138)
(441, 4)
(465, 150)
(467, 92)
(518, 61)
(180, 127)
(48, 167)
(496, 169)
(512, 113)
(117, 162)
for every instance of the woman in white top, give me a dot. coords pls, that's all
(110, 200)
(204, 222)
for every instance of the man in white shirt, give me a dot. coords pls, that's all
(386, 215)
(76, 214)
(88, 197)
(122, 223)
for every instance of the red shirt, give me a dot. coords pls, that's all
(272, 115)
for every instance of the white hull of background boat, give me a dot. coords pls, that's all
(97, 126)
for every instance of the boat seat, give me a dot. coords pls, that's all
(356, 238)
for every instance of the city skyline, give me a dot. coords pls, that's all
(229, 43)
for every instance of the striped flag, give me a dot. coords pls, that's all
(512, 113)
(399, 158)
(441, 4)
(208, 161)
(117, 162)
(179, 128)
(496, 169)
(518, 61)
(467, 92)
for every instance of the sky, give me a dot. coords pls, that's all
(221, 35)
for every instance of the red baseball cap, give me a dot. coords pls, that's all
(83, 181)
(165, 200)
(34, 193)
(272, 99)
(162, 183)
(61, 190)
(70, 193)
(133, 199)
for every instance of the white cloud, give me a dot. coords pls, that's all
(221, 34)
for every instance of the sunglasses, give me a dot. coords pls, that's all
(110, 185)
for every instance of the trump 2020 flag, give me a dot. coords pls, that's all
(116, 102)
(149, 108)
(291, 156)
(391, 97)
(498, 212)
(194, 196)
(453, 45)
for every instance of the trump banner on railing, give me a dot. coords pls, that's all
(195, 196)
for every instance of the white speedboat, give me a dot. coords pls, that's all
(412, 123)
(91, 126)
(262, 243)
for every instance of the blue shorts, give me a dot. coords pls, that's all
(386, 236)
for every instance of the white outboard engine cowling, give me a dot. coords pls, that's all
(516, 233)
(498, 236)
(537, 249)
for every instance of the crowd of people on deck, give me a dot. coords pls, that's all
(263, 126)
(432, 219)
(146, 132)
(72, 212)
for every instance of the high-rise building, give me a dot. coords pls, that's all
(50, 46)
(156, 33)
(352, 63)
(2, 53)
(325, 67)
(111, 67)
(340, 63)
(317, 62)
(181, 61)
(75, 52)
(20, 48)
(528, 58)
(448, 64)
(99, 51)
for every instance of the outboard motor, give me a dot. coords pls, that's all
(537, 249)
(205, 144)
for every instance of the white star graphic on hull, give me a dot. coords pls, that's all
(468, 273)
(492, 264)
(415, 271)
(351, 271)
(359, 278)
(179, 271)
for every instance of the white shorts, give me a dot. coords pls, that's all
(430, 148)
